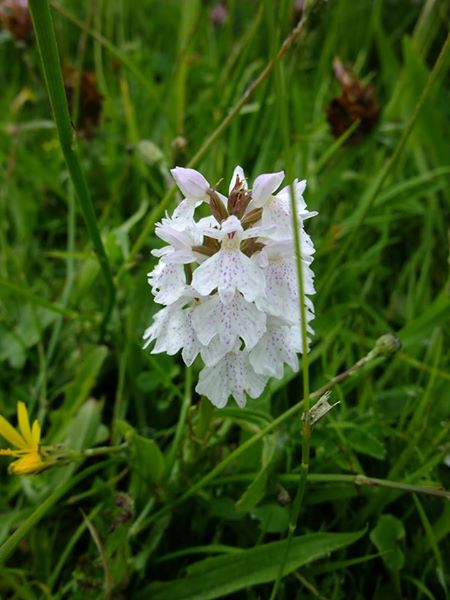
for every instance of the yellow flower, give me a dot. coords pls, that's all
(26, 441)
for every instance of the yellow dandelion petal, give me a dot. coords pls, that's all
(24, 425)
(8, 452)
(12, 436)
(36, 434)
(28, 464)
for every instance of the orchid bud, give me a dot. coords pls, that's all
(192, 183)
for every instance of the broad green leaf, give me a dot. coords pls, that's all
(254, 493)
(365, 442)
(386, 537)
(148, 460)
(272, 518)
(220, 576)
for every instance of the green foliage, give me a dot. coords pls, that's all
(169, 497)
(387, 537)
(217, 577)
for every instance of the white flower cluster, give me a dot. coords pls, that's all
(228, 282)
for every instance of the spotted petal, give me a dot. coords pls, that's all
(168, 282)
(229, 271)
(282, 292)
(276, 347)
(231, 376)
(237, 319)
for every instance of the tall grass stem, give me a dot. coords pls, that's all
(48, 50)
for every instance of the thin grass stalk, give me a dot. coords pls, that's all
(48, 50)
(305, 426)
(359, 480)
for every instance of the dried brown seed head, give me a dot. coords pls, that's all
(16, 18)
(357, 102)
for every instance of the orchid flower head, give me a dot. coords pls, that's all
(228, 282)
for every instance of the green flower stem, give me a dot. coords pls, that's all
(305, 425)
(48, 50)
(99, 451)
(17, 536)
(359, 480)
(293, 410)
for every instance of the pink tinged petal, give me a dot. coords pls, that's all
(232, 225)
(264, 186)
(230, 233)
(159, 252)
(191, 183)
(238, 172)
(276, 347)
(236, 320)
(168, 282)
(229, 271)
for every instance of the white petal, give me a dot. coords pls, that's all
(264, 186)
(238, 172)
(191, 183)
(299, 187)
(277, 211)
(213, 352)
(184, 213)
(172, 331)
(166, 331)
(168, 282)
(276, 347)
(191, 345)
(282, 292)
(231, 376)
(229, 271)
(230, 322)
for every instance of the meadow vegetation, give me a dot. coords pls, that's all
(162, 495)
